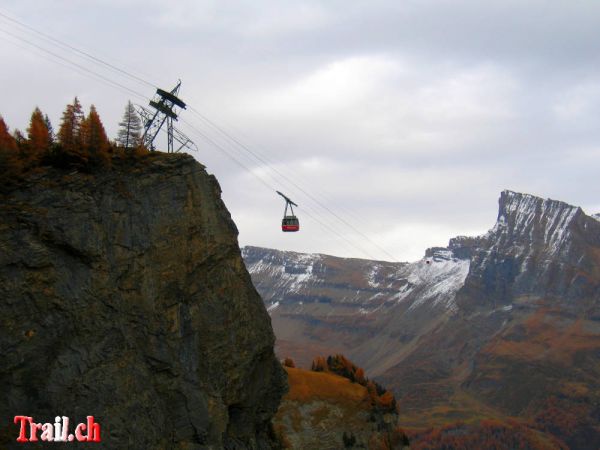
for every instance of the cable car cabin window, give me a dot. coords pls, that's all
(290, 220)
(290, 223)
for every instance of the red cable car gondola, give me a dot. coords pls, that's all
(289, 222)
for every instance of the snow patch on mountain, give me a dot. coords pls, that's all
(438, 280)
(403, 292)
(433, 281)
(371, 277)
(291, 272)
(273, 307)
(525, 220)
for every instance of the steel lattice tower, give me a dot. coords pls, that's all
(164, 111)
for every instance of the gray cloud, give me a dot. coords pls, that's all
(407, 118)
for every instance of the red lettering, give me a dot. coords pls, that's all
(23, 420)
(33, 429)
(93, 429)
(78, 432)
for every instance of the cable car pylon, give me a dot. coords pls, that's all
(164, 112)
(289, 222)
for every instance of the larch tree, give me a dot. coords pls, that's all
(50, 128)
(130, 131)
(93, 137)
(19, 138)
(38, 136)
(22, 146)
(360, 376)
(7, 142)
(289, 362)
(69, 133)
(319, 364)
(9, 162)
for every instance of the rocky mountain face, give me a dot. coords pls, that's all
(540, 248)
(124, 296)
(502, 325)
(322, 304)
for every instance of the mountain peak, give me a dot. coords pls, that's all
(527, 218)
(539, 247)
(515, 204)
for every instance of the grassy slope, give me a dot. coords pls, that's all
(320, 407)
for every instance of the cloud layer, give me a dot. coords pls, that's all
(406, 119)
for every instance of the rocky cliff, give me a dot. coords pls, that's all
(124, 296)
(537, 248)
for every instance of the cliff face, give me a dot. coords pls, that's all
(538, 248)
(124, 296)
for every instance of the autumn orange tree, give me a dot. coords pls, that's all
(342, 366)
(69, 133)
(94, 141)
(82, 141)
(38, 138)
(360, 377)
(319, 364)
(289, 362)
(9, 157)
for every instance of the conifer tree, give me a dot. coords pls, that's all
(319, 364)
(7, 142)
(50, 128)
(21, 141)
(19, 137)
(93, 137)
(9, 162)
(38, 136)
(289, 362)
(130, 131)
(360, 376)
(69, 133)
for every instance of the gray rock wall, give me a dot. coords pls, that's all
(123, 295)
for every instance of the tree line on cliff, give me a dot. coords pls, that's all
(80, 142)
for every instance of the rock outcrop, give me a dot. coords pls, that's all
(538, 248)
(124, 296)
(326, 411)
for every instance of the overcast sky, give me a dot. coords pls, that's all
(404, 118)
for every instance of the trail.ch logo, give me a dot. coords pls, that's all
(57, 431)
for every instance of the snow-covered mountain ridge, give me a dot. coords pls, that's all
(289, 278)
(537, 248)
(528, 229)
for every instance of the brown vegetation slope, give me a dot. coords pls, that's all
(325, 410)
